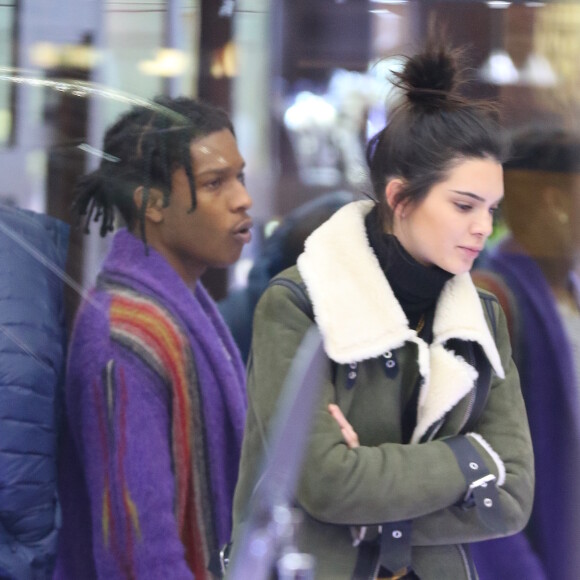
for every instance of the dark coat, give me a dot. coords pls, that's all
(548, 549)
(33, 250)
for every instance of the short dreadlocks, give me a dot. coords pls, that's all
(143, 148)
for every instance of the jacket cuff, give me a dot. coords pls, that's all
(481, 491)
(487, 448)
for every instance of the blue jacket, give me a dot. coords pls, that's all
(33, 248)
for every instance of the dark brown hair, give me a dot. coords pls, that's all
(433, 128)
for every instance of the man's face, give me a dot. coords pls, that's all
(214, 234)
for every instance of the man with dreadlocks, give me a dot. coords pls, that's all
(155, 398)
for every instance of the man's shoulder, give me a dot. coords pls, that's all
(145, 314)
(146, 326)
(493, 286)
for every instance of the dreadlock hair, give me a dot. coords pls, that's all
(432, 129)
(143, 148)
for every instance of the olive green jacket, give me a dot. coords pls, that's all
(384, 480)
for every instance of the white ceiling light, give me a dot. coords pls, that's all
(538, 72)
(499, 69)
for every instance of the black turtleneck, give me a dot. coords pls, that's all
(416, 287)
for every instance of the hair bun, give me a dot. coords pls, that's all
(430, 78)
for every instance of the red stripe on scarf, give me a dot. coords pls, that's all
(122, 447)
(98, 397)
(157, 334)
(152, 328)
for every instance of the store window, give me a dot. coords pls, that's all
(8, 43)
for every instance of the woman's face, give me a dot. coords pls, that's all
(450, 226)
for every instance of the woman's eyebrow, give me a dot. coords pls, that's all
(468, 194)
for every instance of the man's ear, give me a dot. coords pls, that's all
(558, 203)
(393, 190)
(153, 212)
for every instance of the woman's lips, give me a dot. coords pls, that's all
(471, 252)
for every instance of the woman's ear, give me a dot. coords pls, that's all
(393, 190)
(153, 212)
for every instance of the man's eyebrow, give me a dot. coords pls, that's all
(219, 170)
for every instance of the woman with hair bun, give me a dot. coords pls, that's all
(420, 444)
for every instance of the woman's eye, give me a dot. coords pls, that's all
(242, 178)
(463, 206)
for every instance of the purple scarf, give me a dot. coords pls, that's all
(220, 370)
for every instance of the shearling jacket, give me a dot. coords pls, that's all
(375, 359)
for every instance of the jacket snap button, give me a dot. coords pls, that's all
(388, 354)
(487, 502)
(397, 534)
(352, 375)
(390, 364)
(352, 365)
(473, 465)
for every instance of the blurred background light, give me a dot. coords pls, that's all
(48, 55)
(309, 110)
(499, 69)
(168, 62)
(538, 72)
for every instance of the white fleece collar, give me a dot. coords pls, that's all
(360, 318)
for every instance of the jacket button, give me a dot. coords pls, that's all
(388, 354)
(390, 364)
(473, 465)
(352, 365)
(487, 502)
(352, 375)
(397, 534)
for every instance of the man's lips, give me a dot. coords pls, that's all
(242, 231)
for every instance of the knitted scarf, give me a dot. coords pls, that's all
(181, 336)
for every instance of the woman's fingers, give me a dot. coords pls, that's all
(349, 434)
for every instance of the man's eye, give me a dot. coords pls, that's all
(242, 178)
(214, 183)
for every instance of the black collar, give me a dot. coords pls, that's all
(416, 287)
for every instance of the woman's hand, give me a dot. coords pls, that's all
(349, 434)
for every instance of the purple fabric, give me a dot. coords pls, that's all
(153, 276)
(222, 387)
(549, 546)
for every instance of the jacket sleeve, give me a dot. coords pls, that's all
(388, 481)
(503, 428)
(125, 434)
